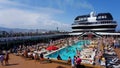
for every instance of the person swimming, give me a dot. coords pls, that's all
(69, 59)
(59, 58)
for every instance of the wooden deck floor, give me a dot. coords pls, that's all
(19, 62)
(117, 50)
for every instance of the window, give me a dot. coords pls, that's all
(99, 17)
(102, 16)
(105, 16)
(85, 18)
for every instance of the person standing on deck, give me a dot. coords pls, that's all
(6, 58)
(1, 59)
(41, 56)
(73, 62)
(78, 61)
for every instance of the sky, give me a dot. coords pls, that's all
(50, 14)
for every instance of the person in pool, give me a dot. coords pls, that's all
(58, 57)
(69, 59)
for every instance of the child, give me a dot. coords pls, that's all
(1, 59)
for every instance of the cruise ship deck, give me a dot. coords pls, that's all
(97, 24)
(102, 22)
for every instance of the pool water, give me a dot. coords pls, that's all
(69, 51)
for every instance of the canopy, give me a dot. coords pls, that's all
(52, 47)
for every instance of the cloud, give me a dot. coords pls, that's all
(17, 18)
(42, 16)
(58, 4)
(75, 4)
(14, 17)
(12, 4)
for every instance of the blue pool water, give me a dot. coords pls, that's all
(69, 50)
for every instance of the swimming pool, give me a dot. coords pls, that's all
(69, 51)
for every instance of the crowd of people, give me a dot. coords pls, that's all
(35, 51)
(38, 51)
(111, 57)
(95, 52)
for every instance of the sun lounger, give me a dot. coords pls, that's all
(116, 66)
(114, 61)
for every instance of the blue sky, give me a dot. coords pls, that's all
(50, 14)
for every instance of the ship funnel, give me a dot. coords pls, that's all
(92, 14)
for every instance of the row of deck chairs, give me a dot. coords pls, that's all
(112, 60)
